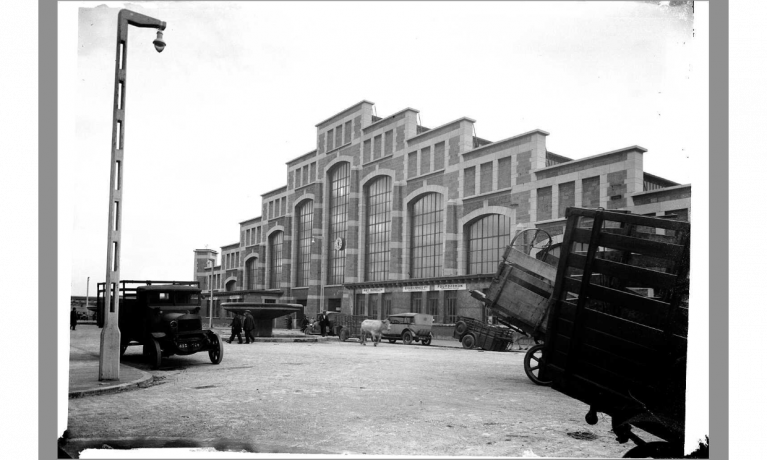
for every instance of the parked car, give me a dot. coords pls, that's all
(409, 327)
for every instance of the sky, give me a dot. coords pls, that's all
(237, 92)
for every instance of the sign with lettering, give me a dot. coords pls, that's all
(416, 288)
(373, 290)
(450, 287)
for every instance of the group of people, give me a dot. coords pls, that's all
(239, 324)
(323, 322)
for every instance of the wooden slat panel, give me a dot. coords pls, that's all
(634, 219)
(645, 235)
(636, 260)
(537, 285)
(643, 310)
(642, 276)
(641, 246)
(531, 263)
(518, 302)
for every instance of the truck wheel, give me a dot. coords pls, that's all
(217, 353)
(153, 352)
(468, 341)
(407, 337)
(461, 327)
(343, 334)
(532, 364)
(426, 341)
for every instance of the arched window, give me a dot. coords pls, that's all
(488, 238)
(378, 229)
(230, 285)
(426, 236)
(275, 260)
(250, 270)
(305, 214)
(339, 199)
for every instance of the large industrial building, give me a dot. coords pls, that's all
(387, 216)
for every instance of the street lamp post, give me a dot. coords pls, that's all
(109, 357)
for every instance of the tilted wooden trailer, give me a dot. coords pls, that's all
(616, 336)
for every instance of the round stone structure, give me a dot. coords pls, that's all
(263, 313)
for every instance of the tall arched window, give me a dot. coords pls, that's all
(250, 270)
(378, 229)
(426, 237)
(488, 238)
(339, 199)
(275, 260)
(305, 214)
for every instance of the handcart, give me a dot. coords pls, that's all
(616, 335)
(519, 293)
(473, 333)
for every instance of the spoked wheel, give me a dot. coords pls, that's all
(656, 449)
(533, 359)
(407, 337)
(468, 341)
(217, 353)
(153, 353)
(426, 340)
(532, 240)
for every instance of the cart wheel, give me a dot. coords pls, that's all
(392, 340)
(426, 341)
(531, 239)
(656, 449)
(468, 341)
(533, 362)
(217, 353)
(153, 352)
(407, 337)
(461, 327)
(343, 334)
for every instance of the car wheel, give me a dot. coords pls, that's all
(468, 341)
(407, 337)
(461, 327)
(426, 341)
(153, 352)
(217, 353)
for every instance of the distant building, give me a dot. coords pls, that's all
(388, 216)
(78, 301)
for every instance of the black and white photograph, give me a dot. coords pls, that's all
(383, 229)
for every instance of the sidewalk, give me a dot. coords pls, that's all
(84, 375)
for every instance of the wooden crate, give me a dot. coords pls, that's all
(609, 346)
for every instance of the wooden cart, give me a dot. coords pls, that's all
(519, 293)
(616, 336)
(473, 333)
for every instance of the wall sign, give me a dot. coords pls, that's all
(373, 290)
(450, 287)
(416, 288)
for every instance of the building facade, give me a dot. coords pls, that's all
(387, 216)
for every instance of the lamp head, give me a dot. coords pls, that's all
(159, 43)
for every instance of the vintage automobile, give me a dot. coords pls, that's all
(163, 317)
(409, 327)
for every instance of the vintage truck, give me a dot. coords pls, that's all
(164, 317)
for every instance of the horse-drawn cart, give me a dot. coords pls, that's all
(616, 335)
(519, 293)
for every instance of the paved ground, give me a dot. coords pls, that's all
(340, 398)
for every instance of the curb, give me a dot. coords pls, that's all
(145, 377)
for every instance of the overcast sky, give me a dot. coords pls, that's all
(237, 92)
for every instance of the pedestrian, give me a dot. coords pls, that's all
(249, 325)
(324, 323)
(236, 328)
(304, 324)
(73, 319)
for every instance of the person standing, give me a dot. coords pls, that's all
(73, 319)
(324, 323)
(249, 325)
(236, 328)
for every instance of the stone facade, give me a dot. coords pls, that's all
(470, 179)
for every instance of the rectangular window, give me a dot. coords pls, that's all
(330, 140)
(283, 206)
(237, 262)
(543, 202)
(298, 177)
(359, 305)
(590, 192)
(439, 156)
(469, 181)
(258, 235)
(373, 305)
(242, 238)
(425, 160)
(504, 172)
(415, 302)
(271, 209)
(566, 198)
(389, 142)
(347, 132)
(486, 177)
(313, 172)
(305, 179)
(432, 303)
(451, 302)
(339, 135)
(412, 164)
(366, 151)
(386, 305)
(377, 147)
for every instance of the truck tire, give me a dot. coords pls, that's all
(461, 327)
(216, 355)
(153, 352)
(468, 341)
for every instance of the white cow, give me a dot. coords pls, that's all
(375, 328)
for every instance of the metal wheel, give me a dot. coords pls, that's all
(217, 353)
(407, 337)
(153, 352)
(532, 240)
(461, 327)
(426, 341)
(468, 341)
(392, 340)
(656, 449)
(533, 359)
(343, 334)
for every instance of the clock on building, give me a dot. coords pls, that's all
(338, 244)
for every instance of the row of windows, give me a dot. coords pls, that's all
(251, 236)
(304, 175)
(216, 282)
(338, 136)
(423, 162)
(590, 195)
(368, 304)
(486, 173)
(275, 208)
(377, 147)
(231, 260)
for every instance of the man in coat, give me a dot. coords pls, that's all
(73, 319)
(249, 326)
(236, 328)
(324, 323)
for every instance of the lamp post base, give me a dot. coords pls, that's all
(109, 356)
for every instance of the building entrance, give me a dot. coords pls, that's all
(334, 304)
